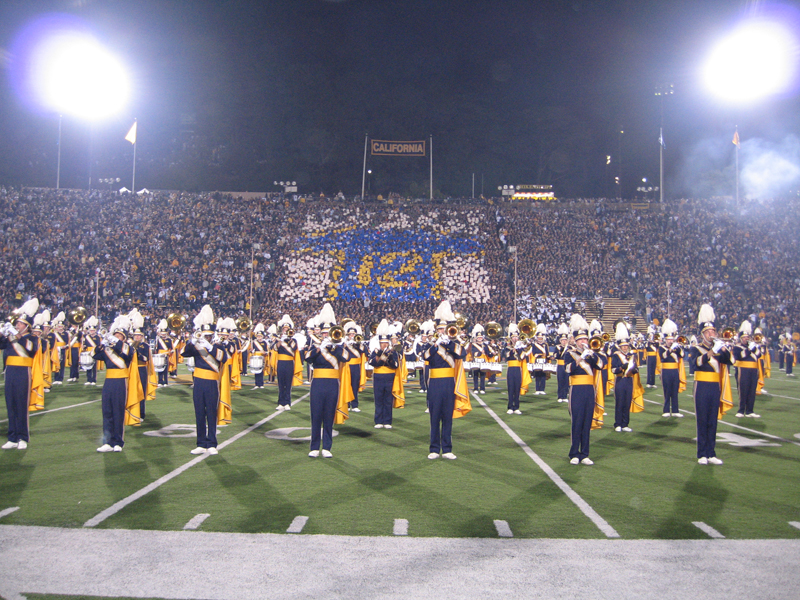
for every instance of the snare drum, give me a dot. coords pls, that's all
(551, 368)
(87, 361)
(160, 362)
(256, 363)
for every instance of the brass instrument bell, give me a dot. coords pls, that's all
(336, 333)
(175, 322)
(494, 330)
(243, 324)
(77, 315)
(412, 326)
(526, 327)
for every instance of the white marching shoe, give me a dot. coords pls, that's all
(587, 461)
(9, 445)
(702, 461)
(117, 448)
(713, 460)
(212, 450)
(449, 456)
(327, 454)
(433, 455)
(198, 450)
(105, 448)
(314, 453)
(574, 461)
(22, 444)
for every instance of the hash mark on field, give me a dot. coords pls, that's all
(400, 527)
(8, 511)
(118, 506)
(196, 521)
(795, 524)
(503, 530)
(297, 525)
(576, 499)
(707, 529)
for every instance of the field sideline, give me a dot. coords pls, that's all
(511, 480)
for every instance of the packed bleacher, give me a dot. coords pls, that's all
(172, 251)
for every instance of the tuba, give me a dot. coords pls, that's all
(526, 327)
(77, 315)
(461, 321)
(412, 326)
(175, 322)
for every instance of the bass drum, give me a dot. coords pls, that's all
(160, 362)
(256, 363)
(87, 361)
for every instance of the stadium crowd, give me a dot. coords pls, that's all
(172, 251)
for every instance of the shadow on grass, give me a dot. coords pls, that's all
(702, 499)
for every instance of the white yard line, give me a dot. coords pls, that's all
(503, 530)
(44, 412)
(118, 506)
(400, 527)
(734, 425)
(584, 507)
(8, 511)
(297, 525)
(196, 521)
(707, 529)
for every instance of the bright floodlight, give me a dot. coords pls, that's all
(756, 60)
(73, 74)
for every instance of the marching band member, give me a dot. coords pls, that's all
(712, 393)
(75, 345)
(117, 355)
(517, 376)
(692, 344)
(386, 361)
(673, 375)
(145, 374)
(271, 362)
(628, 390)
(789, 350)
(164, 345)
(37, 329)
(651, 351)
(561, 373)
(426, 332)
(355, 362)
(325, 357)
(23, 381)
(89, 343)
(245, 342)
(540, 353)
(447, 386)
(61, 342)
(586, 403)
(604, 353)
(746, 355)
(49, 352)
(479, 351)
(208, 361)
(765, 362)
(259, 347)
(781, 343)
(287, 350)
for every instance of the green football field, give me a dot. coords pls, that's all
(512, 476)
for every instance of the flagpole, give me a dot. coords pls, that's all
(737, 166)
(133, 178)
(661, 167)
(96, 292)
(431, 192)
(58, 165)
(364, 169)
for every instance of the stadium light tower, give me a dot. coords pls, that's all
(755, 60)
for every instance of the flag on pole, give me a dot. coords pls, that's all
(736, 138)
(661, 138)
(131, 137)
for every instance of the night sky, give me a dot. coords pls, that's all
(232, 95)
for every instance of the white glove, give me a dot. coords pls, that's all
(675, 346)
(752, 345)
(586, 353)
(519, 346)
(9, 330)
(326, 343)
(718, 345)
(442, 340)
(110, 339)
(205, 344)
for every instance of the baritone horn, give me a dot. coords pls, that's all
(412, 326)
(77, 315)
(526, 327)
(243, 323)
(175, 322)
(494, 330)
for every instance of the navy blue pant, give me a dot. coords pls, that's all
(670, 381)
(441, 402)
(206, 403)
(623, 394)
(479, 381)
(91, 374)
(513, 383)
(62, 357)
(748, 383)
(423, 379)
(18, 394)
(355, 380)
(259, 379)
(75, 367)
(651, 370)
(163, 376)
(706, 407)
(115, 395)
(245, 358)
(382, 386)
(324, 398)
(144, 382)
(789, 364)
(563, 382)
(285, 376)
(780, 360)
(540, 379)
(581, 410)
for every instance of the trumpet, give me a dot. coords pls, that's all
(727, 334)
(596, 342)
(358, 338)
(453, 330)
(605, 337)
